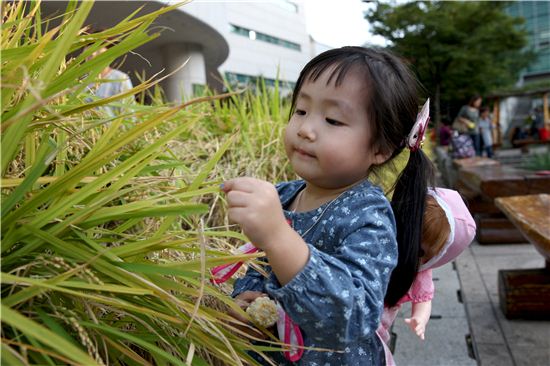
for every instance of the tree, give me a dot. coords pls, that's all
(457, 49)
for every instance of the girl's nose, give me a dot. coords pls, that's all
(306, 130)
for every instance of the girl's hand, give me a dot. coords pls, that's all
(244, 299)
(417, 325)
(254, 205)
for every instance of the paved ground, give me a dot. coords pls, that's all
(445, 342)
(497, 340)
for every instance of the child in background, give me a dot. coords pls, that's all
(486, 131)
(447, 230)
(353, 110)
(445, 133)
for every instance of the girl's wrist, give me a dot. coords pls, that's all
(278, 239)
(287, 254)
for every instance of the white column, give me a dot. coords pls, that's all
(180, 84)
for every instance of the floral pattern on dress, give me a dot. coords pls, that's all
(337, 299)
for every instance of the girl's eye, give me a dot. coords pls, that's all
(333, 122)
(300, 112)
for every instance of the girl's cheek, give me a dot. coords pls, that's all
(286, 138)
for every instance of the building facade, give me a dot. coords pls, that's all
(537, 23)
(216, 41)
(267, 39)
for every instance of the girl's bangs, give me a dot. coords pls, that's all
(339, 68)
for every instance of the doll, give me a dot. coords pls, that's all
(448, 228)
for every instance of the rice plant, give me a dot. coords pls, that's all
(105, 253)
(110, 225)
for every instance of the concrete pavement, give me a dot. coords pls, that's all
(445, 342)
(497, 340)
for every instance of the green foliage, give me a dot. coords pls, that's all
(110, 225)
(106, 243)
(538, 162)
(457, 48)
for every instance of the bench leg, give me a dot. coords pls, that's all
(525, 293)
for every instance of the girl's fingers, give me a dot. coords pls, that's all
(250, 296)
(237, 214)
(237, 199)
(244, 184)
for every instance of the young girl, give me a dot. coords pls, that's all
(448, 228)
(353, 110)
(486, 131)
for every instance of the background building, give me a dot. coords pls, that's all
(537, 23)
(236, 41)
(266, 39)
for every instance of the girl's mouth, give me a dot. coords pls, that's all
(304, 153)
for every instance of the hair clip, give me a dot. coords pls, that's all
(416, 137)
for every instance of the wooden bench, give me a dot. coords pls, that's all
(526, 293)
(480, 185)
(526, 142)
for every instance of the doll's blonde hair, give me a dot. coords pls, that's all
(435, 229)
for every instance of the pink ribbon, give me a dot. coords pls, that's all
(222, 273)
(291, 335)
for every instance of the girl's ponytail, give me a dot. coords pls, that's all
(408, 202)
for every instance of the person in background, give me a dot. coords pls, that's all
(467, 121)
(110, 82)
(537, 123)
(486, 131)
(445, 132)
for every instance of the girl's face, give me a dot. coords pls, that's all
(327, 139)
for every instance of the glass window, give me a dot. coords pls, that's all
(198, 89)
(253, 35)
(250, 80)
(288, 5)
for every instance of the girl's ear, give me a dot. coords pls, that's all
(380, 157)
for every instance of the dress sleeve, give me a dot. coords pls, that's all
(338, 299)
(462, 112)
(422, 288)
(252, 281)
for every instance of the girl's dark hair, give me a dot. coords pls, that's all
(473, 99)
(392, 107)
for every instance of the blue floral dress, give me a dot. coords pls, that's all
(337, 299)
